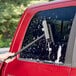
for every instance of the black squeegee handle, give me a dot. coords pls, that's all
(10, 57)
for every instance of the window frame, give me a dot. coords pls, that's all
(22, 59)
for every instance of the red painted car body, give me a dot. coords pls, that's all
(26, 68)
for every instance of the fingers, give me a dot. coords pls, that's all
(9, 60)
(5, 56)
(10, 54)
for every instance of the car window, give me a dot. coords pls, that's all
(60, 21)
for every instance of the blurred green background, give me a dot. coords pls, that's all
(10, 14)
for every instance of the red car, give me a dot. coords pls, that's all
(49, 33)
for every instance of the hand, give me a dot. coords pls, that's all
(6, 55)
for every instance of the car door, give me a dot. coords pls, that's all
(36, 60)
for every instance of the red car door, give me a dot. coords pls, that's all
(36, 59)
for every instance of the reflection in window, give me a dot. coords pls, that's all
(60, 21)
